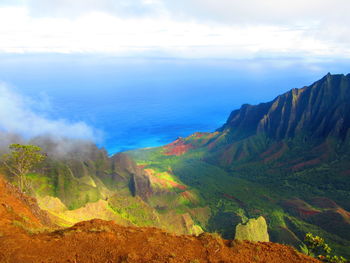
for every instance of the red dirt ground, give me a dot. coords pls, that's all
(99, 241)
(241, 203)
(199, 134)
(300, 207)
(178, 147)
(302, 165)
(323, 202)
(17, 208)
(274, 152)
(162, 181)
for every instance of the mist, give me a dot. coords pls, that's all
(26, 121)
(23, 116)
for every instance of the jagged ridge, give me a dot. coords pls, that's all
(319, 110)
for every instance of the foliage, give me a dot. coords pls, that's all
(133, 209)
(315, 246)
(226, 188)
(21, 160)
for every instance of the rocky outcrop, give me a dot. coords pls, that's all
(138, 180)
(253, 230)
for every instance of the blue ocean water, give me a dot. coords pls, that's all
(145, 102)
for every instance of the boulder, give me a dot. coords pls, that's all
(253, 230)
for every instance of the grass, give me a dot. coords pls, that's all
(100, 229)
(24, 218)
(28, 229)
(69, 232)
(133, 209)
(215, 235)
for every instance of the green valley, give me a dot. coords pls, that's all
(287, 160)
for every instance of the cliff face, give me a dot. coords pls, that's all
(137, 179)
(299, 129)
(79, 172)
(319, 110)
(78, 181)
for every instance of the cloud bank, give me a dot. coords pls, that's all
(222, 11)
(263, 12)
(69, 8)
(182, 28)
(19, 115)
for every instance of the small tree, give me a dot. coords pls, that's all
(315, 246)
(21, 160)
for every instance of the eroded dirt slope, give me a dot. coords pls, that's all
(17, 209)
(104, 241)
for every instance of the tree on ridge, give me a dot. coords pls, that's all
(21, 161)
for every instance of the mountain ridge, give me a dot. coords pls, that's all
(290, 108)
(295, 146)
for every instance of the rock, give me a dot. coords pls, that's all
(253, 230)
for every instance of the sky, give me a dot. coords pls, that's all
(49, 48)
(182, 28)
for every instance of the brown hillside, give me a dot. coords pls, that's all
(18, 209)
(104, 241)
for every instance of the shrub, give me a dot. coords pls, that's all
(315, 246)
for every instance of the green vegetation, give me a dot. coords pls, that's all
(134, 209)
(29, 229)
(102, 228)
(21, 160)
(315, 246)
(257, 181)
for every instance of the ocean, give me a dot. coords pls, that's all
(146, 102)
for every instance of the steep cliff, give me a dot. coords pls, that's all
(319, 110)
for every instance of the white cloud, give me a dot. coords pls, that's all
(225, 11)
(263, 12)
(191, 28)
(76, 8)
(18, 115)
